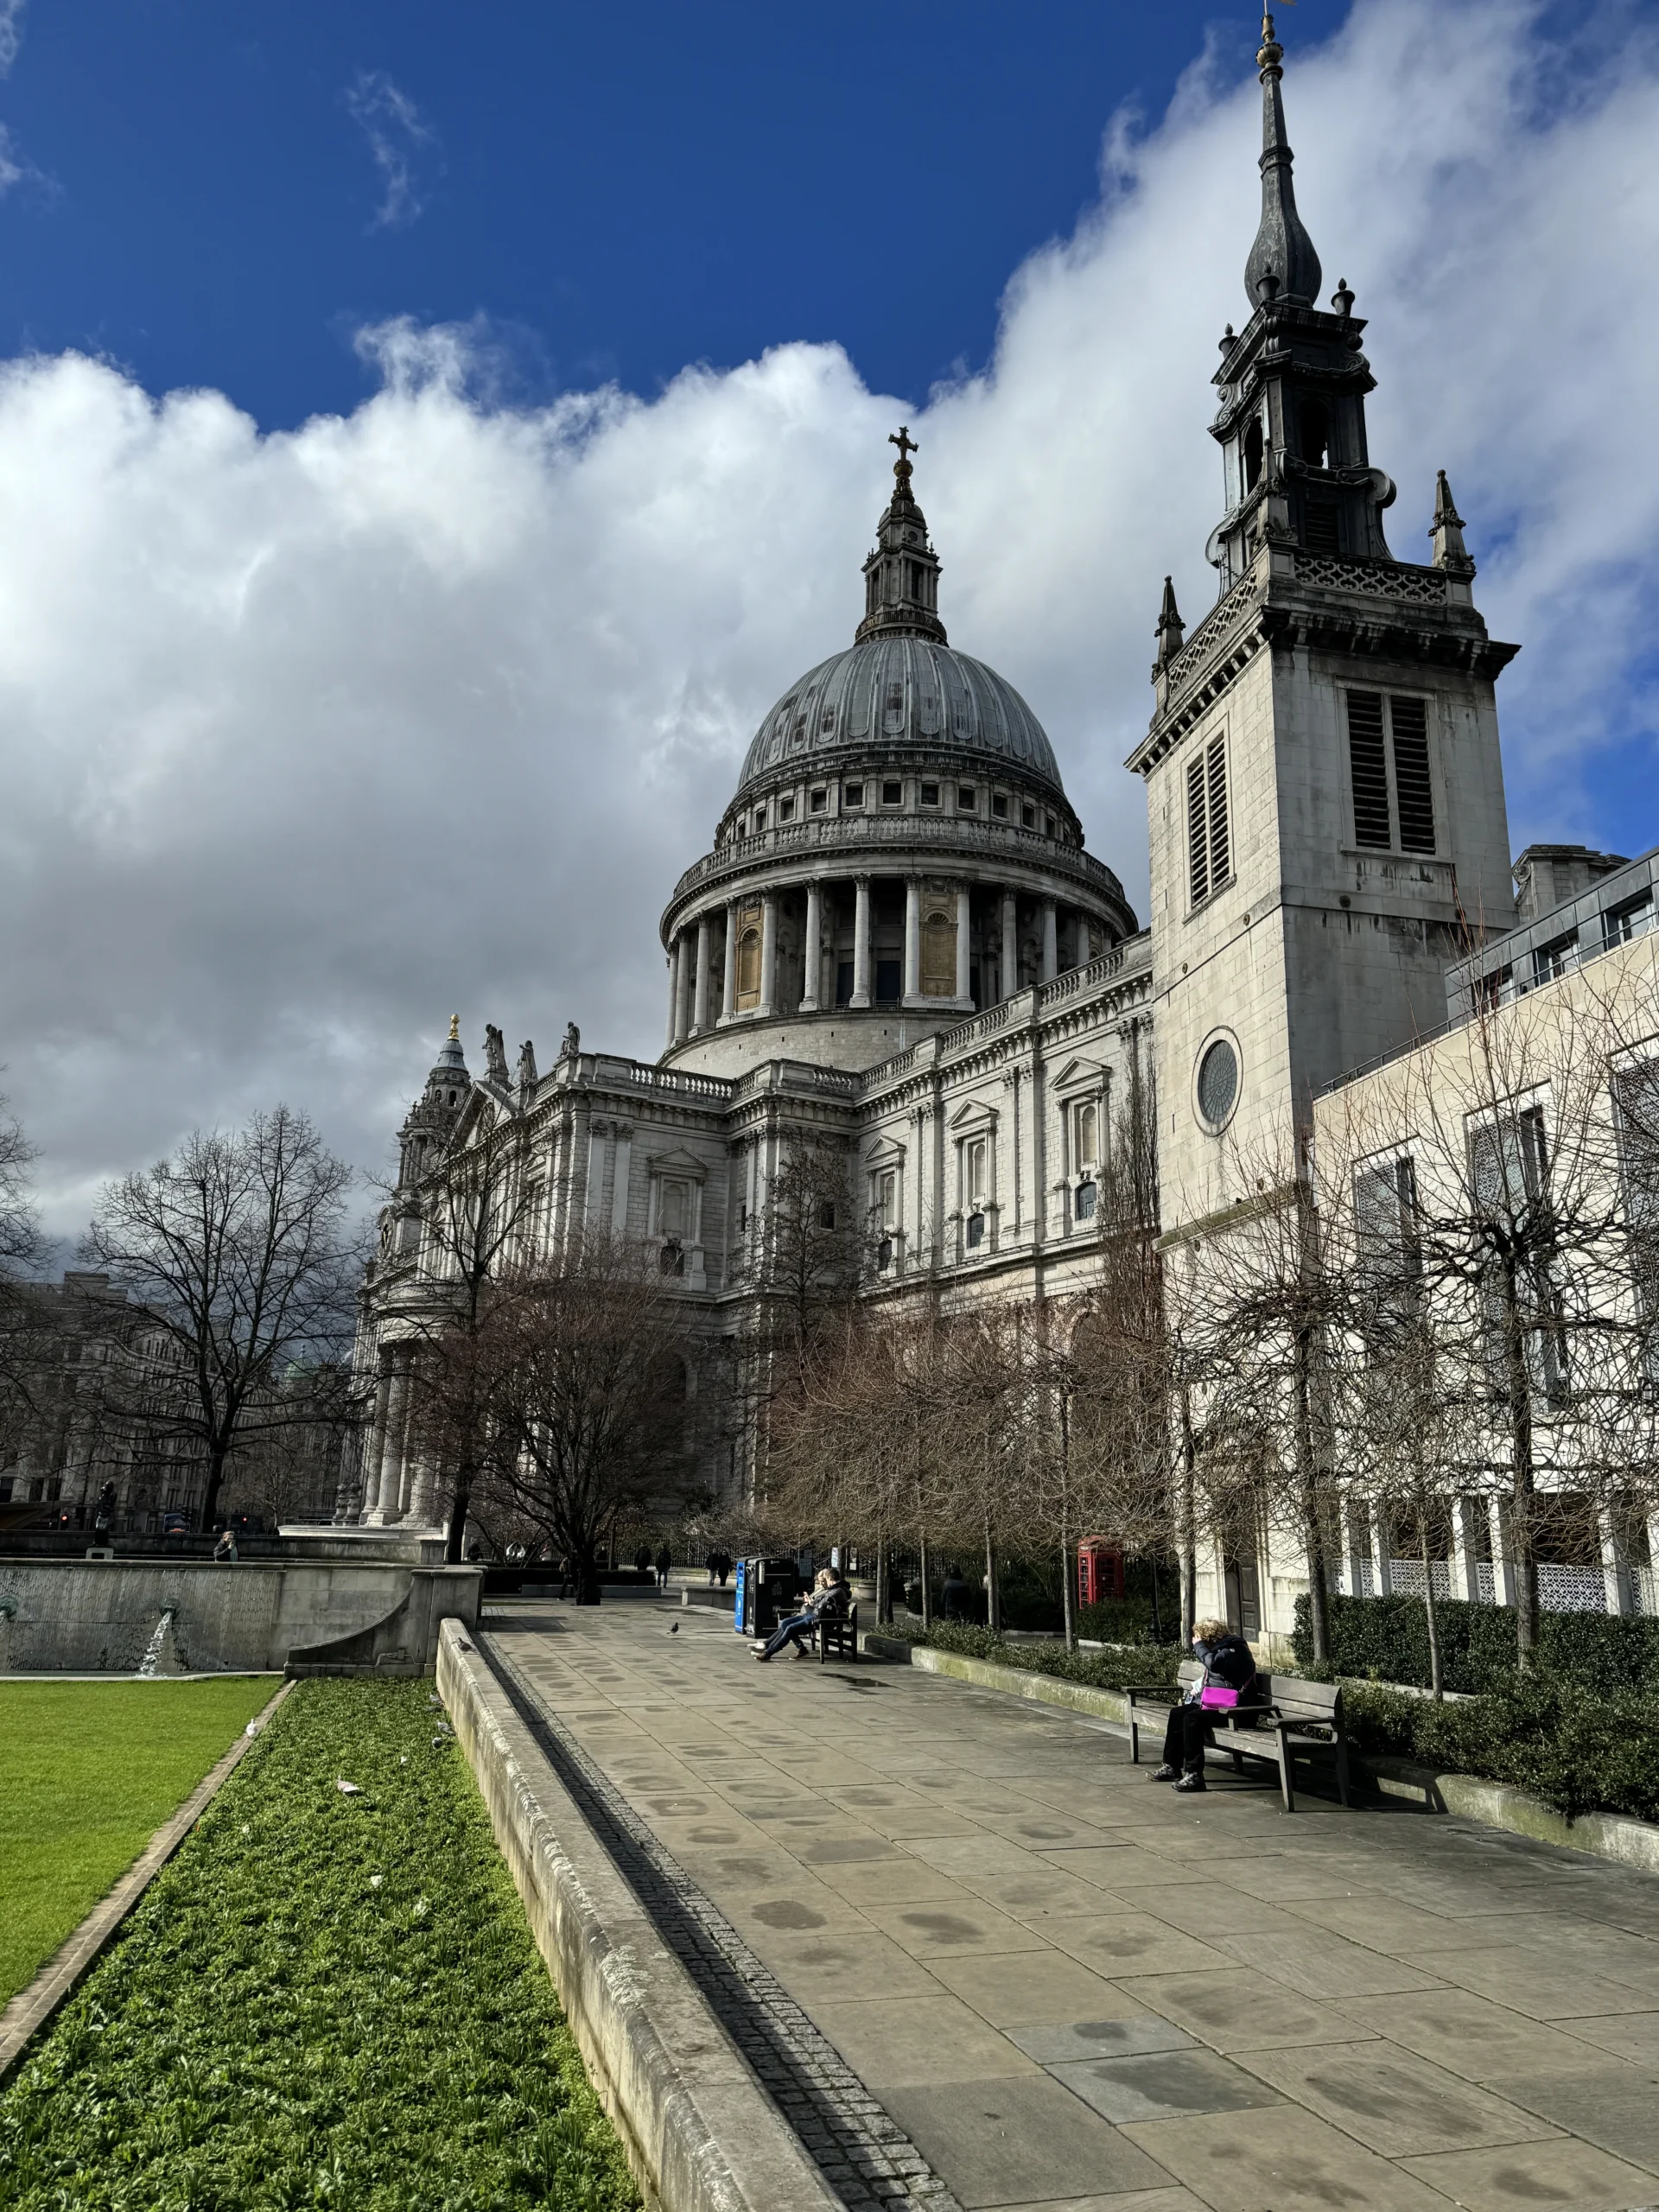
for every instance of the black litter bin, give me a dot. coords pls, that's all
(769, 1589)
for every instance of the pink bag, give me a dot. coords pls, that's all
(1216, 1695)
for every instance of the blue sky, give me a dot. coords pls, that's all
(431, 440)
(227, 192)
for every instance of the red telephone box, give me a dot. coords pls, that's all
(1100, 1571)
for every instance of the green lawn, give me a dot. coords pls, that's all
(325, 1999)
(88, 1772)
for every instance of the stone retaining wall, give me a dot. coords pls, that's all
(701, 2133)
(328, 1616)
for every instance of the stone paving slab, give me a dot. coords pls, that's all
(1073, 1991)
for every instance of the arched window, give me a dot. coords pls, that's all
(1316, 434)
(748, 959)
(1253, 446)
(938, 953)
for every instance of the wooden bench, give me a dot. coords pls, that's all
(1294, 1720)
(840, 1630)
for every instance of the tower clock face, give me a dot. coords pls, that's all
(1217, 1085)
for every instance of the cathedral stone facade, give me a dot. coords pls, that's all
(899, 943)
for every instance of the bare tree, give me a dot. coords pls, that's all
(238, 1246)
(579, 1365)
(477, 1209)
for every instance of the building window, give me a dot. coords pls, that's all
(1048, 824)
(884, 1254)
(1000, 806)
(1551, 962)
(748, 958)
(785, 809)
(819, 801)
(852, 795)
(893, 794)
(759, 818)
(1218, 1083)
(827, 720)
(827, 1214)
(1028, 817)
(1392, 811)
(967, 798)
(1320, 531)
(929, 794)
(938, 952)
(1209, 845)
(895, 698)
(1509, 1175)
(1085, 1134)
(1083, 1200)
(976, 1232)
(1636, 1101)
(975, 1162)
(1387, 1242)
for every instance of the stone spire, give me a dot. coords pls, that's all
(1171, 630)
(1447, 530)
(901, 578)
(1282, 265)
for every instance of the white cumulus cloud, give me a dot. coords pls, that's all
(310, 740)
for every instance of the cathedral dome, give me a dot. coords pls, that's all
(893, 691)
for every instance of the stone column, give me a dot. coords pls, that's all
(1615, 1567)
(728, 980)
(769, 952)
(1010, 945)
(682, 990)
(1503, 1558)
(913, 938)
(392, 1463)
(699, 999)
(812, 960)
(965, 945)
(375, 1449)
(1465, 1548)
(673, 992)
(1051, 967)
(621, 1159)
(860, 941)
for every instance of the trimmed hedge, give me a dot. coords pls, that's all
(1579, 1753)
(1119, 1669)
(1386, 1639)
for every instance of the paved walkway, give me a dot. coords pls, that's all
(1075, 1992)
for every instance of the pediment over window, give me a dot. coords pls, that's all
(886, 1151)
(684, 1166)
(973, 1118)
(1082, 1075)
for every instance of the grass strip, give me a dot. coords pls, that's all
(92, 1770)
(326, 1999)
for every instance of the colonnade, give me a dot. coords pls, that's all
(691, 975)
(391, 1468)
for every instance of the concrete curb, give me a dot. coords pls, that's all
(1499, 1805)
(62, 1974)
(1036, 1689)
(1615, 1836)
(700, 2133)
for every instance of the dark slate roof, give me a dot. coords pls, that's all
(894, 691)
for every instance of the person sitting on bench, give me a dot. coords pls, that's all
(828, 1595)
(1230, 1676)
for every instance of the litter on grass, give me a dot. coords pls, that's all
(348, 1789)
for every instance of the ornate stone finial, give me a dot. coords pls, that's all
(1342, 299)
(1171, 630)
(454, 1029)
(1282, 245)
(1447, 530)
(1229, 340)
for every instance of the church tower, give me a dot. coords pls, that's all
(1324, 787)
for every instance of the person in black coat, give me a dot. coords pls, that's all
(1229, 1664)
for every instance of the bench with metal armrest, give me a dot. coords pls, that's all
(839, 1629)
(1286, 1719)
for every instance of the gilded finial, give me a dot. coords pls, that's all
(454, 1029)
(907, 446)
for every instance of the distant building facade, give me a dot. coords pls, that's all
(899, 946)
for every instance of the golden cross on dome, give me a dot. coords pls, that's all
(905, 444)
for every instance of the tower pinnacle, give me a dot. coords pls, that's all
(901, 578)
(1283, 264)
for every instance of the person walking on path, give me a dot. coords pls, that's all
(664, 1561)
(1229, 1681)
(829, 1597)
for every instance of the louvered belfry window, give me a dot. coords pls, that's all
(1209, 842)
(1391, 812)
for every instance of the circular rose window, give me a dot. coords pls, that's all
(1218, 1083)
